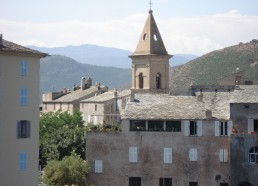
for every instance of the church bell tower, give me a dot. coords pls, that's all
(150, 61)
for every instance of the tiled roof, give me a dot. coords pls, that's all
(78, 94)
(163, 106)
(8, 46)
(245, 94)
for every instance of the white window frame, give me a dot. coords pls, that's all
(23, 96)
(168, 155)
(98, 166)
(133, 155)
(217, 126)
(193, 154)
(23, 161)
(199, 131)
(24, 67)
(253, 156)
(223, 155)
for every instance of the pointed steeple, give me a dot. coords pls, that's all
(150, 42)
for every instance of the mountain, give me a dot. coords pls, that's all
(104, 56)
(207, 69)
(57, 72)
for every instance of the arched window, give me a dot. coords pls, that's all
(158, 81)
(140, 81)
(253, 155)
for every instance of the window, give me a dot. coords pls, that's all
(223, 184)
(193, 154)
(23, 66)
(167, 155)
(155, 125)
(158, 81)
(95, 120)
(133, 156)
(223, 128)
(165, 181)
(223, 155)
(23, 129)
(96, 107)
(253, 155)
(137, 125)
(23, 161)
(252, 125)
(23, 96)
(89, 118)
(193, 183)
(173, 126)
(98, 166)
(193, 128)
(134, 181)
(141, 81)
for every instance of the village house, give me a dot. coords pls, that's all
(169, 140)
(19, 114)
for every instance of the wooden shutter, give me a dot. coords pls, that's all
(250, 125)
(230, 127)
(133, 155)
(225, 155)
(217, 128)
(199, 128)
(19, 129)
(187, 127)
(89, 118)
(95, 120)
(28, 129)
(167, 155)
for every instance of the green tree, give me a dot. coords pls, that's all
(60, 134)
(72, 170)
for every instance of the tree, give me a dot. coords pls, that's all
(60, 134)
(72, 170)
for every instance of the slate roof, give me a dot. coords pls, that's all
(8, 46)
(245, 94)
(166, 107)
(77, 94)
(106, 96)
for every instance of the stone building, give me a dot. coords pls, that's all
(176, 140)
(19, 114)
(105, 108)
(69, 100)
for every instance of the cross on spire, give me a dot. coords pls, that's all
(150, 4)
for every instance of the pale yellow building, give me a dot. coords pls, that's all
(19, 114)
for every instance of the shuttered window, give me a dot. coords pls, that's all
(23, 161)
(223, 155)
(98, 166)
(223, 128)
(23, 96)
(23, 66)
(133, 155)
(23, 129)
(193, 128)
(193, 154)
(167, 155)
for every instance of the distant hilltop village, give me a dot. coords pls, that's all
(208, 137)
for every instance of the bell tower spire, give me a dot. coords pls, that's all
(150, 60)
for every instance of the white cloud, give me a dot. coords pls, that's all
(196, 35)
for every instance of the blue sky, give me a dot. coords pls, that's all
(187, 26)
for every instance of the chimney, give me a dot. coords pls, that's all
(83, 83)
(208, 114)
(1, 40)
(132, 97)
(115, 94)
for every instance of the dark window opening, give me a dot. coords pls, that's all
(244, 184)
(155, 125)
(256, 125)
(165, 181)
(134, 181)
(145, 36)
(223, 128)
(193, 128)
(137, 125)
(158, 81)
(140, 80)
(223, 184)
(23, 129)
(193, 183)
(173, 126)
